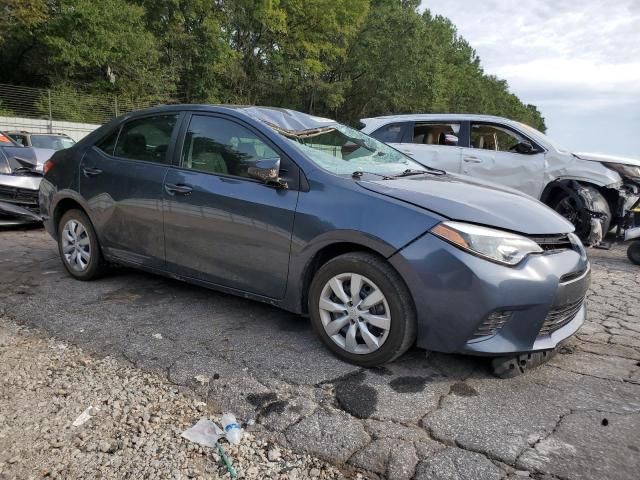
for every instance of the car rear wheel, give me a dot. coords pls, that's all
(78, 246)
(362, 310)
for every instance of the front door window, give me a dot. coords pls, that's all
(492, 137)
(216, 145)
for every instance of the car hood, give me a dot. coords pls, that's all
(27, 157)
(599, 157)
(464, 199)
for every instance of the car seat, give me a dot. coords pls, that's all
(206, 156)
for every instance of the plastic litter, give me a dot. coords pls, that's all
(157, 336)
(202, 379)
(232, 430)
(205, 432)
(85, 416)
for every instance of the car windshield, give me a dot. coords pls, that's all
(343, 150)
(53, 142)
(541, 137)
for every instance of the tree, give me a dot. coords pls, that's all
(341, 58)
(193, 46)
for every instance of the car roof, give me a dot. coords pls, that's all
(430, 117)
(283, 118)
(24, 132)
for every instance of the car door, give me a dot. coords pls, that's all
(121, 178)
(495, 153)
(220, 225)
(433, 144)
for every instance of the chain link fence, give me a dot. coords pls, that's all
(67, 104)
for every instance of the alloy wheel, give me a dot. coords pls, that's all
(355, 313)
(76, 247)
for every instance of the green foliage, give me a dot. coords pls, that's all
(342, 58)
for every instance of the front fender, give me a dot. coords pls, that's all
(581, 170)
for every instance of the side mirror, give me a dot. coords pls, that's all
(525, 148)
(267, 170)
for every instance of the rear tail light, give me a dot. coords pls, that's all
(48, 165)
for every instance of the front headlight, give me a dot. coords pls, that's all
(496, 245)
(626, 171)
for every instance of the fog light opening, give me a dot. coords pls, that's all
(494, 322)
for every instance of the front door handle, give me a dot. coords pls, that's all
(471, 159)
(91, 171)
(178, 189)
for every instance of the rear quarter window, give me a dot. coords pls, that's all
(392, 133)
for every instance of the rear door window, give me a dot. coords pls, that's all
(108, 144)
(146, 139)
(436, 133)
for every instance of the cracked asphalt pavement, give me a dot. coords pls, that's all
(422, 417)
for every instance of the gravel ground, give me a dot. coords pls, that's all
(46, 384)
(422, 417)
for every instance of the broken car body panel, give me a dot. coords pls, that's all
(20, 177)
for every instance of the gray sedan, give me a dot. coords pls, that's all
(322, 220)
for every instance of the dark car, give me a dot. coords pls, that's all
(319, 219)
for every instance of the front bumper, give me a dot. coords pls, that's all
(538, 303)
(19, 199)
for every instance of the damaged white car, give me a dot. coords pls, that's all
(595, 192)
(20, 176)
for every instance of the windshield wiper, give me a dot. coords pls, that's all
(359, 173)
(429, 171)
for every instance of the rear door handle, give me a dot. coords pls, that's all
(178, 189)
(91, 172)
(472, 159)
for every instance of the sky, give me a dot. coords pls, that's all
(577, 61)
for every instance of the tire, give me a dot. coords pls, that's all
(395, 310)
(570, 206)
(633, 252)
(88, 265)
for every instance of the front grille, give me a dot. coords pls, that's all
(553, 243)
(492, 324)
(558, 317)
(20, 196)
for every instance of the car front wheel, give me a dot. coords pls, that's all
(78, 246)
(633, 252)
(572, 206)
(362, 310)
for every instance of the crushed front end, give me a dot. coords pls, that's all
(20, 178)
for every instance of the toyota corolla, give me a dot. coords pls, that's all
(319, 219)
